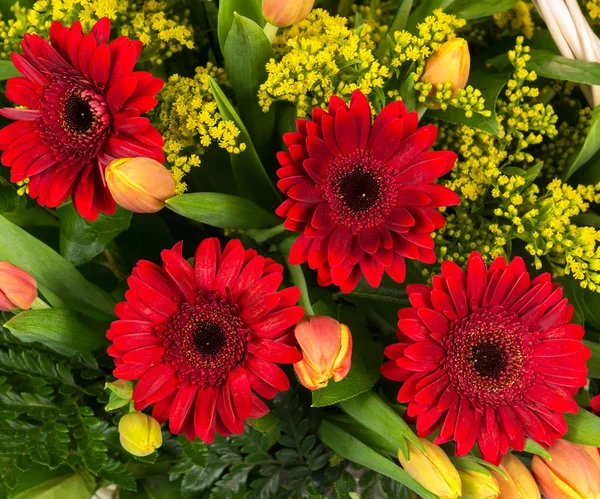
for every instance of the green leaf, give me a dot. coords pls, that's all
(81, 240)
(556, 67)
(58, 279)
(247, 52)
(114, 472)
(364, 370)
(490, 84)
(70, 485)
(535, 448)
(262, 235)
(61, 330)
(588, 149)
(593, 363)
(584, 428)
(354, 450)
(249, 173)
(8, 70)
(227, 8)
(397, 24)
(373, 413)
(585, 302)
(222, 210)
(157, 486)
(474, 9)
(9, 198)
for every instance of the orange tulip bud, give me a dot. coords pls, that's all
(18, 289)
(571, 474)
(140, 434)
(283, 13)
(326, 351)
(141, 185)
(450, 63)
(432, 469)
(519, 483)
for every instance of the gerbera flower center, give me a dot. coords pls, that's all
(205, 340)
(488, 357)
(78, 114)
(360, 190)
(209, 338)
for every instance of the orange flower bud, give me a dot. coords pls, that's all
(140, 434)
(141, 185)
(326, 350)
(432, 469)
(18, 289)
(283, 13)
(571, 474)
(451, 62)
(519, 483)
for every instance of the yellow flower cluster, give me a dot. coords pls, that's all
(522, 123)
(321, 57)
(593, 7)
(190, 121)
(154, 22)
(432, 33)
(545, 224)
(468, 99)
(516, 21)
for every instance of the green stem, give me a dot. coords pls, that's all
(421, 109)
(345, 7)
(39, 304)
(297, 277)
(270, 31)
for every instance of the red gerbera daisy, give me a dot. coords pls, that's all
(84, 104)
(361, 193)
(202, 339)
(488, 356)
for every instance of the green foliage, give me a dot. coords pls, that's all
(252, 465)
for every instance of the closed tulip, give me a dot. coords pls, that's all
(326, 347)
(141, 185)
(476, 485)
(432, 469)
(572, 473)
(140, 434)
(18, 289)
(519, 483)
(450, 63)
(283, 13)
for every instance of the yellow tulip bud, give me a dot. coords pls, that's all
(571, 473)
(450, 63)
(141, 185)
(283, 13)
(519, 483)
(432, 469)
(476, 485)
(326, 347)
(140, 434)
(18, 289)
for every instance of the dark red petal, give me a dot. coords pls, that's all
(205, 413)
(152, 381)
(182, 404)
(269, 372)
(275, 351)
(241, 393)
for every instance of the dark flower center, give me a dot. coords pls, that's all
(79, 116)
(205, 340)
(209, 338)
(360, 190)
(489, 357)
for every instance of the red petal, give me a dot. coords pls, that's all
(205, 414)
(183, 402)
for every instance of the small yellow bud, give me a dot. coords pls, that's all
(141, 185)
(140, 434)
(432, 469)
(450, 63)
(283, 13)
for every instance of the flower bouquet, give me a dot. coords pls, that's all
(300, 248)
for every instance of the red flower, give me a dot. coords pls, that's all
(361, 193)
(202, 339)
(488, 356)
(595, 404)
(84, 104)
